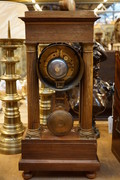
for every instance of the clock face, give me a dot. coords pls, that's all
(60, 66)
(57, 68)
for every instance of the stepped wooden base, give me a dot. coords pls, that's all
(68, 153)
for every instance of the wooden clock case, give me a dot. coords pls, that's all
(42, 151)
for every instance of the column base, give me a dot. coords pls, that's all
(87, 133)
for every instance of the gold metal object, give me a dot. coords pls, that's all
(87, 133)
(45, 96)
(45, 103)
(12, 129)
(60, 122)
(33, 133)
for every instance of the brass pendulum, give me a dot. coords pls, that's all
(12, 129)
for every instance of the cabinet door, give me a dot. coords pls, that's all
(116, 115)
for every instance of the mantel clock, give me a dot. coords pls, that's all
(60, 145)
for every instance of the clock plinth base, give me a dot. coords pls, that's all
(67, 153)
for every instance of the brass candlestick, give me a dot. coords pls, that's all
(45, 96)
(45, 103)
(12, 129)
